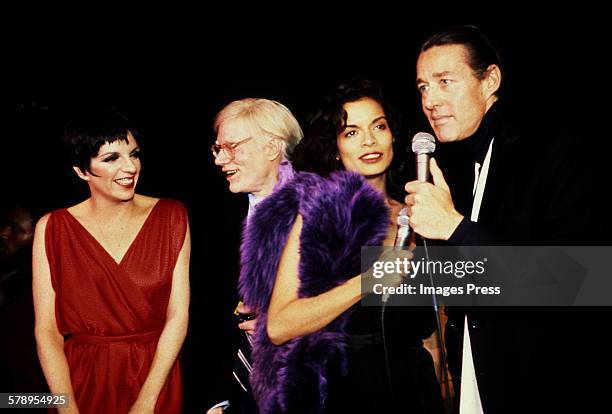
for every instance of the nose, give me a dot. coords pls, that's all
(222, 158)
(431, 99)
(129, 165)
(368, 139)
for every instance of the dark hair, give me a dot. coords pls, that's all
(87, 132)
(482, 51)
(317, 151)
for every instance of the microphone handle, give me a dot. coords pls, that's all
(422, 167)
(403, 235)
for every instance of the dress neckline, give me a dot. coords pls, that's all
(132, 243)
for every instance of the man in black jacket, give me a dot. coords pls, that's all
(506, 181)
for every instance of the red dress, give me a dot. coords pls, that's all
(112, 313)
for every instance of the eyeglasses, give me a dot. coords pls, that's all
(230, 148)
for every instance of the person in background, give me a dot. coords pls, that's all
(20, 370)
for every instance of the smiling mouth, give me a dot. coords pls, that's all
(229, 173)
(371, 157)
(127, 181)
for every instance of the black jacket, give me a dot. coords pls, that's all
(525, 358)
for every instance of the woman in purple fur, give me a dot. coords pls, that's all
(316, 350)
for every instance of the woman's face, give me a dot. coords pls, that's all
(117, 167)
(366, 144)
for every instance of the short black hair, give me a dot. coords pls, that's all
(89, 130)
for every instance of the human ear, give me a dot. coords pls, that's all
(492, 80)
(80, 173)
(274, 148)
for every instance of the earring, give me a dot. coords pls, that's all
(393, 139)
(337, 158)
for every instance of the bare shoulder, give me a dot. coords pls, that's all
(41, 225)
(144, 203)
(78, 210)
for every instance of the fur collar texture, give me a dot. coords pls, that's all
(340, 214)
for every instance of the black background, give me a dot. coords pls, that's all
(170, 74)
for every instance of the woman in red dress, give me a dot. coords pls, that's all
(111, 282)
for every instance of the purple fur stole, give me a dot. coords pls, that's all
(340, 215)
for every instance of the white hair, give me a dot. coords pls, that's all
(266, 117)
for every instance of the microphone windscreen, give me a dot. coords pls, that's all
(423, 143)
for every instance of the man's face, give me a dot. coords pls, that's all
(249, 169)
(16, 232)
(453, 98)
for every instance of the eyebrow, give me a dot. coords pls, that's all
(107, 153)
(436, 75)
(232, 141)
(116, 152)
(375, 120)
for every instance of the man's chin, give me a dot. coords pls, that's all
(446, 136)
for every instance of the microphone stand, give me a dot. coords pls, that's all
(434, 299)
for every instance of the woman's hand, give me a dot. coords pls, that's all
(389, 270)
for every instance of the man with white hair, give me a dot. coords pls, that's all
(254, 138)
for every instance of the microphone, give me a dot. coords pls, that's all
(423, 144)
(401, 238)
(403, 229)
